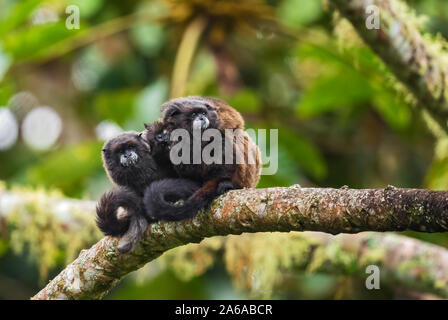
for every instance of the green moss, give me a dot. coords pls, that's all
(332, 258)
(191, 260)
(34, 227)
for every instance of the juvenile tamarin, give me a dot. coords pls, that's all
(157, 135)
(200, 113)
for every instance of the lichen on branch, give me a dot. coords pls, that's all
(418, 60)
(45, 225)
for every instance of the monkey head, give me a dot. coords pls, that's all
(191, 113)
(128, 161)
(157, 135)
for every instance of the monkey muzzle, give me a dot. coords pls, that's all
(128, 158)
(200, 122)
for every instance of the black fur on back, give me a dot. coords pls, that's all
(107, 209)
(161, 196)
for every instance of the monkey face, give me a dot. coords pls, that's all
(128, 161)
(128, 158)
(200, 120)
(190, 113)
(157, 135)
(126, 150)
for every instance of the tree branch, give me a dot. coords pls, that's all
(420, 63)
(344, 210)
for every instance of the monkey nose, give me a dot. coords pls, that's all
(128, 158)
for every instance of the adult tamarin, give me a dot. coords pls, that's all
(129, 162)
(200, 113)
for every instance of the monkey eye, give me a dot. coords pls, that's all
(203, 113)
(159, 136)
(194, 114)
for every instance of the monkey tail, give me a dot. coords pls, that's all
(116, 209)
(171, 199)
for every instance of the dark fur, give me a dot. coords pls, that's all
(138, 175)
(137, 227)
(214, 179)
(157, 135)
(107, 210)
(136, 162)
(131, 226)
(165, 193)
(129, 163)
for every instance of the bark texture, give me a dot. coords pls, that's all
(419, 62)
(334, 211)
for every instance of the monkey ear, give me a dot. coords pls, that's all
(147, 125)
(209, 107)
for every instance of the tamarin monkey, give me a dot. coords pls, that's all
(129, 162)
(201, 113)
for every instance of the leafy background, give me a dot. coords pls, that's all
(292, 65)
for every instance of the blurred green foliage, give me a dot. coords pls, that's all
(291, 65)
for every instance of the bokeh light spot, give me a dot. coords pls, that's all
(9, 129)
(41, 128)
(44, 15)
(107, 129)
(21, 103)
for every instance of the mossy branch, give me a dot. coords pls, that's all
(343, 210)
(418, 61)
(45, 224)
(262, 263)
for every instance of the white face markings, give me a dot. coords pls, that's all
(128, 158)
(206, 123)
(200, 122)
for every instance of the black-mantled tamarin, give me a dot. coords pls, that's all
(201, 113)
(129, 162)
